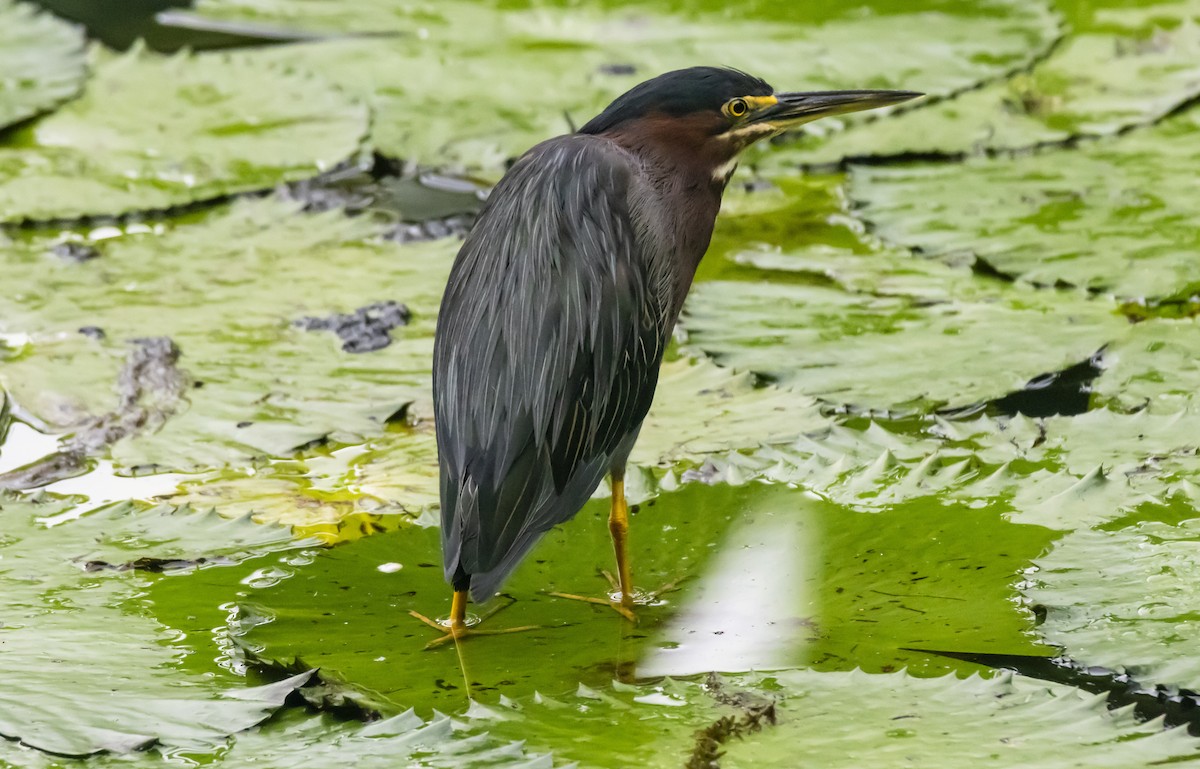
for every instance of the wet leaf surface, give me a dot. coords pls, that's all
(764, 578)
(152, 132)
(91, 670)
(1120, 69)
(42, 59)
(1113, 216)
(295, 738)
(905, 351)
(857, 452)
(1124, 598)
(1155, 367)
(563, 63)
(900, 721)
(260, 385)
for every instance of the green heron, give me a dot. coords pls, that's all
(561, 303)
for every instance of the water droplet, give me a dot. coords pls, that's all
(659, 698)
(268, 577)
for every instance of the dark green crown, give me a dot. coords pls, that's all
(682, 92)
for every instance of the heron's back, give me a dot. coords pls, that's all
(549, 339)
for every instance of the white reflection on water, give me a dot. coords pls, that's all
(746, 612)
(101, 485)
(24, 445)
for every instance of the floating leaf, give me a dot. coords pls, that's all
(563, 63)
(1155, 367)
(898, 720)
(1119, 460)
(261, 384)
(42, 60)
(152, 132)
(294, 738)
(86, 669)
(1125, 598)
(1057, 472)
(820, 585)
(900, 351)
(1117, 72)
(851, 320)
(1114, 216)
(699, 409)
(164, 537)
(655, 726)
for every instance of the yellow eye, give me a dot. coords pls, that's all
(737, 108)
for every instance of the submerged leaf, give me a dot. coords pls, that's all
(152, 132)
(42, 61)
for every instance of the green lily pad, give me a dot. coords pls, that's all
(655, 726)
(439, 97)
(895, 351)
(800, 230)
(898, 720)
(295, 738)
(764, 578)
(1120, 71)
(88, 670)
(261, 384)
(152, 132)
(1125, 598)
(42, 59)
(1004, 722)
(1154, 367)
(1119, 461)
(1113, 216)
(851, 320)
(699, 409)
(1058, 472)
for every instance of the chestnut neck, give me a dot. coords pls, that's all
(679, 154)
(686, 168)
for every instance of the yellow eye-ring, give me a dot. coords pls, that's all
(736, 108)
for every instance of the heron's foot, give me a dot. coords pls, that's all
(455, 632)
(625, 609)
(623, 602)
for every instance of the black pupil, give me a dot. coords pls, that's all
(738, 107)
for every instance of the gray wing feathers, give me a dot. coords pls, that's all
(546, 354)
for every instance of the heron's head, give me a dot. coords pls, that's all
(710, 114)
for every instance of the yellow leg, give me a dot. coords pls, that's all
(457, 627)
(618, 526)
(458, 613)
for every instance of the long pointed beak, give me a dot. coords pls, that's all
(793, 109)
